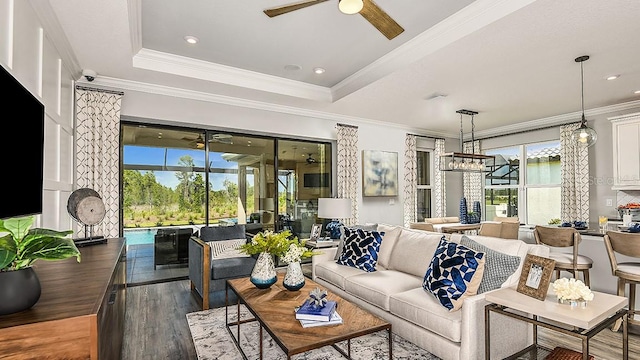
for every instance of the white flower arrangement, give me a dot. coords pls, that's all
(571, 289)
(296, 252)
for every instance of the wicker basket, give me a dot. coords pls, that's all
(560, 353)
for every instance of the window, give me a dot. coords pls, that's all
(423, 180)
(173, 177)
(538, 182)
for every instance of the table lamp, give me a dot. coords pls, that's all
(334, 209)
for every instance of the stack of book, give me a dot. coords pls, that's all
(311, 316)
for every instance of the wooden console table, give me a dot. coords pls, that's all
(80, 313)
(458, 228)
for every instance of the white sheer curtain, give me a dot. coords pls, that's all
(438, 187)
(347, 168)
(574, 164)
(410, 180)
(97, 137)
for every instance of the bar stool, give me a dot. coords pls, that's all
(564, 237)
(628, 272)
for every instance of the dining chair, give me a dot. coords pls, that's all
(564, 237)
(627, 272)
(510, 219)
(505, 230)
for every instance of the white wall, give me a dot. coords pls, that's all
(28, 53)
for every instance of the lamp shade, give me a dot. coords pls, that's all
(334, 208)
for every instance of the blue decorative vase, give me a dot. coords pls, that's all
(477, 213)
(263, 274)
(294, 278)
(334, 229)
(464, 217)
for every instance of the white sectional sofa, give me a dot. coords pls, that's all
(394, 292)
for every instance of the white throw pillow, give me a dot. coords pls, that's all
(224, 249)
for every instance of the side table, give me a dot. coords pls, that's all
(582, 323)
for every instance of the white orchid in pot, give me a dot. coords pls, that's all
(20, 247)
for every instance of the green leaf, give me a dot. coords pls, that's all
(48, 248)
(8, 250)
(18, 227)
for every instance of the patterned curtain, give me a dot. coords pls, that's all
(472, 180)
(98, 153)
(410, 181)
(438, 187)
(574, 165)
(347, 149)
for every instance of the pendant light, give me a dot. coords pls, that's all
(584, 135)
(467, 162)
(350, 7)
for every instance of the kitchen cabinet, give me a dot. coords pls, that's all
(626, 152)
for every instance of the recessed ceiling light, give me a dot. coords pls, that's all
(292, 67)
(319, 70)
(613, 77)
(191, 39)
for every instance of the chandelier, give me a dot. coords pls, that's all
(467, 162)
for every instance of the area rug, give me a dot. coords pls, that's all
(212, 341)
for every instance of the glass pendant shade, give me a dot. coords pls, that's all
(350, 7)
(584, 135)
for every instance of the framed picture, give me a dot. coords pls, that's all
(379, 173)
(536, 276)
(315, 232)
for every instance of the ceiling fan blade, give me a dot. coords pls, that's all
(380, 20)
(291, 7)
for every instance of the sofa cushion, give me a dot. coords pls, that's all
(360, 249)
(391, 235)
(368, 227)
(455, 272)
(335, 273)
(498, 266)
(232, 267)
(375, 288)
(222, 249)
(424, 310)
(413, 251)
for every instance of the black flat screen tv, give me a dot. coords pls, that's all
(23, 157)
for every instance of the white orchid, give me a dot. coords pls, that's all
(571, 289)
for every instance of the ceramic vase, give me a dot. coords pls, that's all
(263, 274)
(20, 290)
(463, 211)
(294, 278)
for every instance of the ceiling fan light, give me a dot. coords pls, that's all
(350, 7)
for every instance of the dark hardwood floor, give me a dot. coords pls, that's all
(156, 327)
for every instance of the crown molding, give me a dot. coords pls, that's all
(556, 120)
(204, 70)
(123, 85)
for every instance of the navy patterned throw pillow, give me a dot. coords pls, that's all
(360, 249)
(455, 273)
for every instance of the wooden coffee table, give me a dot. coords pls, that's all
(273, 309)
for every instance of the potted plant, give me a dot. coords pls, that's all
(20, 247)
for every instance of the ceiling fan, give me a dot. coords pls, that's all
(367, 8)
(311, 160)
(220, 138)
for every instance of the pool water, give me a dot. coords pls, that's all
(140, 236)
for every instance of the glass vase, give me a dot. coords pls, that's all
(294, 278)
(263, 274)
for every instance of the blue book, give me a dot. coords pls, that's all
(309, 312)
